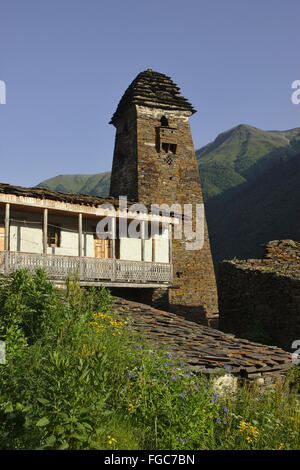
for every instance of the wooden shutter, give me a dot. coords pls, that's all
(103, 248)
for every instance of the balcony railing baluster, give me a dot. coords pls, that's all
(88, 269)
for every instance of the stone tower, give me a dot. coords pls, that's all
(155, 163)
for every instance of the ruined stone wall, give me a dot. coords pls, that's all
(260, 299)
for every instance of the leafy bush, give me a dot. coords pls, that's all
(30, 304)
(78, 377)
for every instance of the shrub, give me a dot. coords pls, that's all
(78, 377)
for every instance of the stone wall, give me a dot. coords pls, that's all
(141, 170)
(260, 299)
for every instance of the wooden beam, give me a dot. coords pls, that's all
(153, 249)
(80, 235)
(7, 227)
(45, 232)
(143, 233)
(133, 285)
(113, 241)
(91, 211)
(170, 245)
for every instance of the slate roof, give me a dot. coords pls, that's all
(42, 193)
(200, 346)
(73, 198)
(152, 89)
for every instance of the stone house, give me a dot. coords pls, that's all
(154, 163)
(57, 232)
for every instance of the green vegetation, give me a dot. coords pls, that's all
(95, 185)
(250, 180)
(242, 154)
(78, 377)
(256, 178)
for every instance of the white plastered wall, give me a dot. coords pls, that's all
(26, 234)
(130, 249)
(162, 247)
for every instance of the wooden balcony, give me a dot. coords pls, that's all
(91, 271)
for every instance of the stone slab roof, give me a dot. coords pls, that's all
(202, 347)
(152, 89)
(72, 198)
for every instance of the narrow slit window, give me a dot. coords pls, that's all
(173, 148)
(165, 147)
(164, 122)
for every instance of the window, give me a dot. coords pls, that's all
(173, 148)
(54, 236)
(165, 147)
(169, 147)
(164, 122)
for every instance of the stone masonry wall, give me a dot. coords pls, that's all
(145, 173)
(124, 179)
(175, 179)
(260, 299)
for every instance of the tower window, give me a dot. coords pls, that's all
(164, 121)
(165, 147)
(173, 148)
(169, 147)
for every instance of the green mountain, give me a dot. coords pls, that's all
(95, 185)
(242, 154)
(251, 185)
(261, 210)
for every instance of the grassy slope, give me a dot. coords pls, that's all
(264, 209)
(255, 194)
(251, 195)
(96, 185)
(242, 154)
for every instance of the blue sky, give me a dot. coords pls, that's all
(66, 64)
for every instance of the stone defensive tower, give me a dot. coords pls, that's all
(155, 163)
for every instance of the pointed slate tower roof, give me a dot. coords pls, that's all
(155, 90)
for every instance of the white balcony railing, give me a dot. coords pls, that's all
(88, 269)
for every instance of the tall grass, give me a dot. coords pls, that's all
(78, 377)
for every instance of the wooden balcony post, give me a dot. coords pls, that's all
(170, 244)
(7, 227)
(171, 252)
(80, 243)
(45, 232)
(7, 236)
(113, 249)
(143, 233)
(80, 235)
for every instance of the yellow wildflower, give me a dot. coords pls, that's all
(111, 440)
(251, 432)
